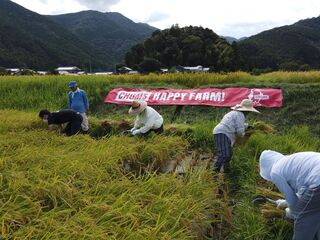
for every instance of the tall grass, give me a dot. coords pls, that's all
(245, 182)
(54, 187)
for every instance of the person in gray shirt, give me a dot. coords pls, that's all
(225, 133)
(297, 176)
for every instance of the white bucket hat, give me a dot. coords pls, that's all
(245, 105)
(137, 107)
(267, 159)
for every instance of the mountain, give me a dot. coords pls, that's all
(230, 39)
(110, 32)
(28, 39)
(293, 45)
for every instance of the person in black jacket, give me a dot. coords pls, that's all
(72, 118)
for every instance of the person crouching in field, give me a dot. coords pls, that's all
(147, 119)
(72, 118)
(297, 176)
(225, 133)
(78, 102)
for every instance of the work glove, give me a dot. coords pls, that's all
(132, 129)
(135, 132)
(289, 214)
(281, 203)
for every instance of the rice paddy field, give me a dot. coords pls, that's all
(106, 185)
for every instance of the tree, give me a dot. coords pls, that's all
(3, 71)
(189, 46)
(149, 65)
(289, 66)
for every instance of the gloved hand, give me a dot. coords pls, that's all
(289, 214)
(281, 203)
(135, 132)
(132, 129)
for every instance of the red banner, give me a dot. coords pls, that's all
(221, 97)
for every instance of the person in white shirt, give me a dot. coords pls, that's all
(147, 119)
(297, 176)
(225, 133)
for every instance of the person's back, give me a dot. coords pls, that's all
(297, 176)
(150, 116)
(301, 169)
(232, 124)
(62, 116)
(225, 133)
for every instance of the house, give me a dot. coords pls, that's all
(124, 70)
(14, 71)
(68, 70)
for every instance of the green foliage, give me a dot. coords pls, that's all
(288, 48)
(33, 41)
(110, 33)
(149, 65)
(188, 46)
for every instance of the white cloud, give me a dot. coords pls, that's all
(228, 17)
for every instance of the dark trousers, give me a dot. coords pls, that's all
(74, 126)
(223, 151)
(157, 131)
(307, 222)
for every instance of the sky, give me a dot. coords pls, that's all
(234, 18)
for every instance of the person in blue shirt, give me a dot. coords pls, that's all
(297, 176)
(78, 102)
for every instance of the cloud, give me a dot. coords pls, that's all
(157, 17)
(101, 5)
(248, 28)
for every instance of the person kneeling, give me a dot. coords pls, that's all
(147, 119)
(72, 118)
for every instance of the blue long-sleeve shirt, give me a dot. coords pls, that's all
(293, 174)
(78, 101)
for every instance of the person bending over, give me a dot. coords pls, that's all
(147, 119)
(297, 176)
(225, 133)
(72, 118)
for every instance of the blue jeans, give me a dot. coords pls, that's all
(307, 222)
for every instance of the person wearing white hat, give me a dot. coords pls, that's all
(147, 119)
(225, 133)
(297, 176)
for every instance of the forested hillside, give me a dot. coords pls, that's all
(111, 33)
(293, 47)
(31, 40)
(188, 46)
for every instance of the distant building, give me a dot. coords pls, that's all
(198, 68)
(42, 72)
(164, 70)
(68, 70)
(124, 70)
(14, 71)
(103, 73)
(20, 71)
